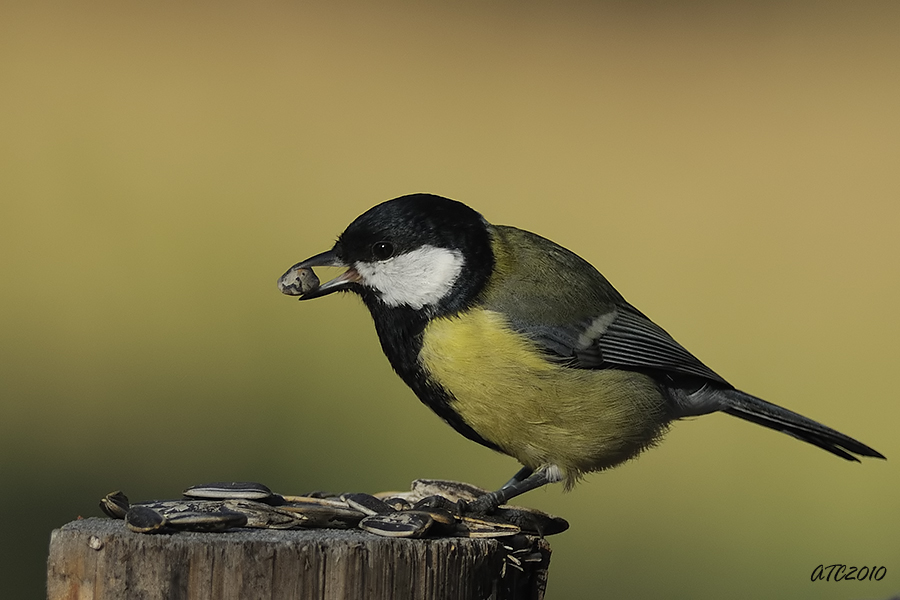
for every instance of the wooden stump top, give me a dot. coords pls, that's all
(101, 559)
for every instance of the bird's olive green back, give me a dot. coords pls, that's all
(536, 281)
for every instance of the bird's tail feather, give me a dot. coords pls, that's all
(755, 410)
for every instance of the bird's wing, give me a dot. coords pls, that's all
(623, 338)
(562, 303)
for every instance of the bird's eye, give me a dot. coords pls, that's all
(382, 250)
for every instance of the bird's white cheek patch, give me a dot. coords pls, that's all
(416, 279)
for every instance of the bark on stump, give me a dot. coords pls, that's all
(100, 559)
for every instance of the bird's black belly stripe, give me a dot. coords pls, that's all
(400, 330)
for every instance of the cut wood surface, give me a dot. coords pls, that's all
(100, 559)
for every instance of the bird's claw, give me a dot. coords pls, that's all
(483, 505)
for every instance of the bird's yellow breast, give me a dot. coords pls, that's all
(535, 410)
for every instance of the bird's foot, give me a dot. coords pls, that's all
(483, 505)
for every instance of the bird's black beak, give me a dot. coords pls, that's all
(301, 281)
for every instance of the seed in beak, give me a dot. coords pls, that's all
(298, 281)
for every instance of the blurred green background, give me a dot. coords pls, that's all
(731, 168)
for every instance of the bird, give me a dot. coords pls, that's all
(524, 347)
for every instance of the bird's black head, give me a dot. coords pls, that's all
(414, 252)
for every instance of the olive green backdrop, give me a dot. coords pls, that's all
(733, 170)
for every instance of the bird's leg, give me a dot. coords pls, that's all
(520, 475)
(523, 481)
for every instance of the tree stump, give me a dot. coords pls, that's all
(101, 559)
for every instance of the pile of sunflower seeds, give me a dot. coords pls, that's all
(432, 508)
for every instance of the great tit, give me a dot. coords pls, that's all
(523, 346)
